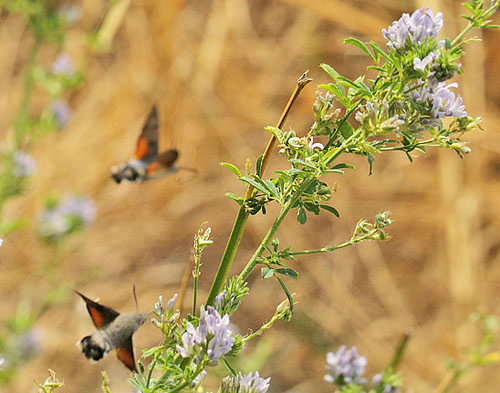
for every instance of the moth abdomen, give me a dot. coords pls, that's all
(94, 349)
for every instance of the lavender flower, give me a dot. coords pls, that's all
(345, 366)
(440, 100)
(414, 29)
(30, 343)
(218, 299)
(24, 164)
(62, 65)
(200, 377)
(212, 332)
(159, 305)
(419, 65)
(245, 384)
(71, 13)
(71, 214)
(191, 339)
(79, 207)
(62, 112)
(375, 118)
(313, 146)
(222, 339)
(253, 384)
(171, 304)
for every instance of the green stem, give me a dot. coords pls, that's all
(150, 373)
(486, 14)
(332, 248)
(462, 34)
(348, 114)
(398, 354)
(196, 274)
(266, 326)
(346, 144)
(229, 253)
(22, 115)
(284, 211)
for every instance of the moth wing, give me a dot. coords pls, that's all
(168, 158)
(101, 315)
(125, 354)
(147, 144)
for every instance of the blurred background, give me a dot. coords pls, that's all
(219, 71)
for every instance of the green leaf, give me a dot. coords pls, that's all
(347, 82)
(258, 165)
(232, 167)
(313, 208)
(336, 90)
(229, 367)
(239, 200)
(331, 209)
(366, 89)
(330, 71)
(275, 243)
(289, 272)
(370, 161)
(346, 130)
(297, 171)
(301, 216)
(361, 45)
(267, 272)
(287, 293)
(272, 188)
(343, 165)
(300, 162)
(255, 184)
(380, 52)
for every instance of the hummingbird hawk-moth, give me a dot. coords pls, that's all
(114, 331)
(147, 164)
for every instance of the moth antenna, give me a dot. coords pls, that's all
(135, 298)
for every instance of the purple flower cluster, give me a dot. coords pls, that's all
(440, 100)
(345, 366)
(245, 384)
(24, 164)
(376, 118)
(212, 332)
(72, 213)
(414, 29)
(218, 299)
(253, 383)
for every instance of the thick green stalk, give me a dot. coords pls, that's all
(242, 217)
(229, 253)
